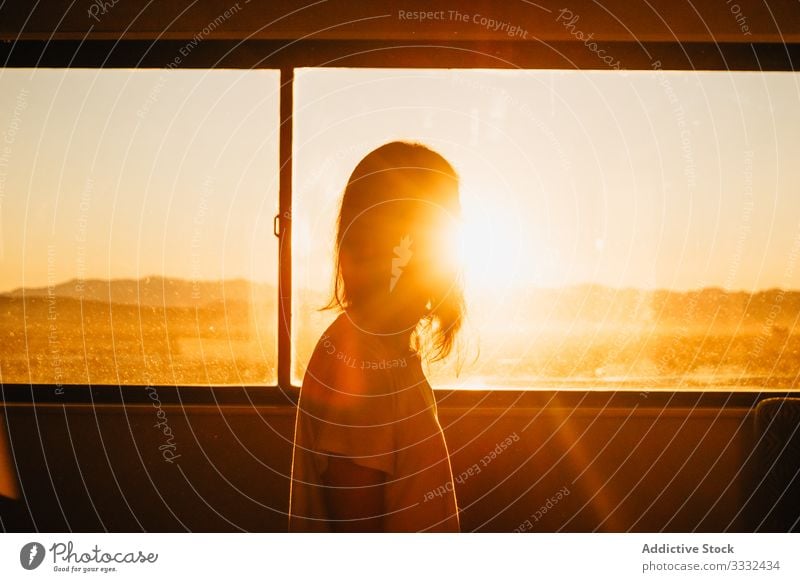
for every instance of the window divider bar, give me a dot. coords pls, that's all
(285, 232)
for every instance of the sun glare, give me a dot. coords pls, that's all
(492, 248)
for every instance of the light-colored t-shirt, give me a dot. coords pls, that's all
(362, 401)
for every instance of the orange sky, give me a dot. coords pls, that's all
(640, 179)
(133, 173)
(673, 180)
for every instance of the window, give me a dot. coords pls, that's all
(137, 226)
(621, 228)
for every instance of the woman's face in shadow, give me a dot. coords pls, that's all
(406, 262)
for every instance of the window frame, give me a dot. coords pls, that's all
(286, 56)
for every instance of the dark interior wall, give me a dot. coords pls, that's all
(624, 469)
(101, 468)
(96, 468)
(664, 20)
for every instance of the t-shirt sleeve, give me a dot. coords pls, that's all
(350, 401)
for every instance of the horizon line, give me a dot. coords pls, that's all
(532, 286)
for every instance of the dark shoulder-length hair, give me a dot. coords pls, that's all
(402, 194)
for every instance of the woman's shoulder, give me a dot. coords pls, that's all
(347, 358)
(344, 340)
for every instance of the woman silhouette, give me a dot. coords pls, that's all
(369, 453)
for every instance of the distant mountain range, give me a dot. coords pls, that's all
(711, 309)
(155, 291)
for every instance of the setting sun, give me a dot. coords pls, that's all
(491, 244)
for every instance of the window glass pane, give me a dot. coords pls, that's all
(137, 211)
(620, 228)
